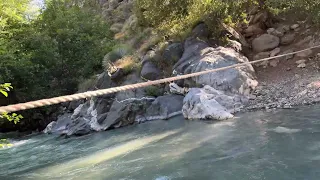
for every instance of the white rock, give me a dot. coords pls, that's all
(301, 61)
(175, 89)
(209, 103)
(49, 127)
(271, 30)
(294, 26)
(302, 65)
(275, 52)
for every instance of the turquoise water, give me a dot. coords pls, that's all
(280, 145)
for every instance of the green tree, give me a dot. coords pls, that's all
(55, 51)
(49, 54)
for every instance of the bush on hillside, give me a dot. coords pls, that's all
(307, 8)
(175, 18)
(118, 52)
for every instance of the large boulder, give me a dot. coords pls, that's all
(150, 71)
(127, 105)
(265, 42)
(209, 103)
(173, 53)
(163, 108)
(199, 56)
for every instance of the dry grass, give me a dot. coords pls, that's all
(119, 35)
(146, 45)
(127, 63)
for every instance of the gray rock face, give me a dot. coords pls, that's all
(150, 71)
(59, 126)
(173, 53)
(163, 107)
(78, 127)
(123, 114)
(198, 56)
(265, 42)
(127, 105)
(209, 103)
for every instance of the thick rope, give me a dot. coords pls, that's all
(61, 99)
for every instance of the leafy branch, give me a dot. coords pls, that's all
(15, 118)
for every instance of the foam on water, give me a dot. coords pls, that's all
(285, 130)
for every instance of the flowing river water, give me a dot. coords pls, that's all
(278, 145)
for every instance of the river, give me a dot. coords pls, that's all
(278, 145)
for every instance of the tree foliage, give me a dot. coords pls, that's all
(306, 8)
(173, 17)
(50, 54)
(15, 118)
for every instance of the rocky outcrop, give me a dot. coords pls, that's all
(104, 112)
(199, 56)
(221, 93)
(164, 107)
(209, 103)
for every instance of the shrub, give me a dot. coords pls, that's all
(127, 63)
(154, 91)
(117, 53)
(307, 8)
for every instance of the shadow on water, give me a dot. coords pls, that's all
(279, 145)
